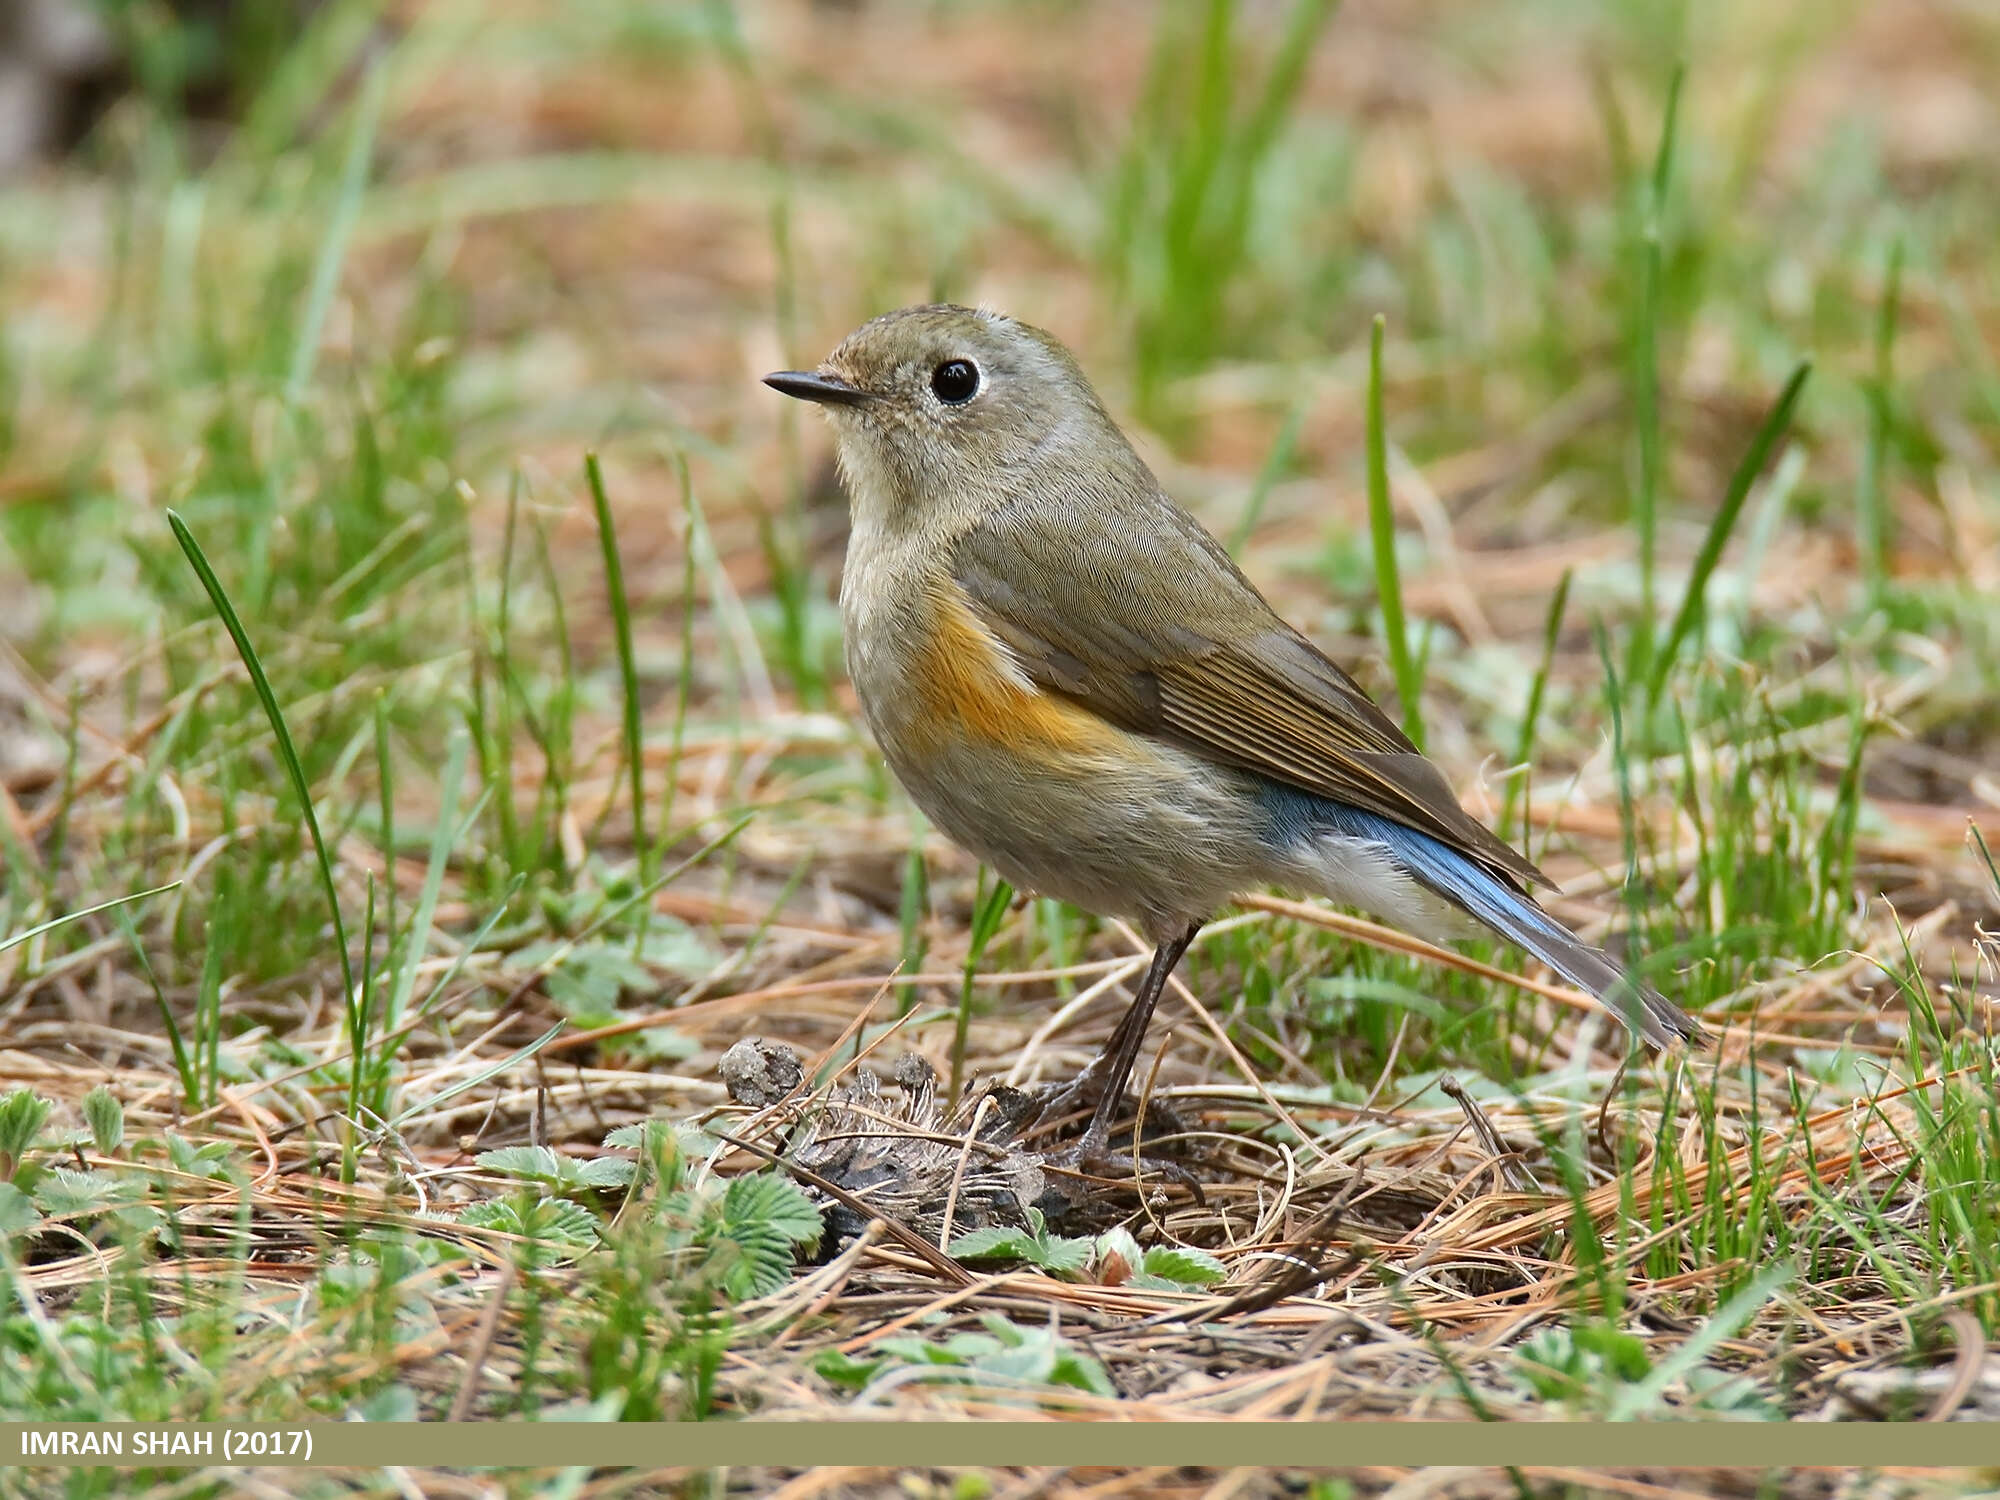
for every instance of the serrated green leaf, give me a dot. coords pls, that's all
(995, 1242)
(915, 1351)
(1081, 1372)
(1062, 1256)
(494, 1213)
(1042, 1356)
(560, 1229)
(1032, 1360)
(1004, 1329)
(211, 1160)
(106, 1118)
(65, 1191)
(845, 1371)
(535, 1163)
(777, 1201)
(756, 1260)
(605, 1171)
(22, 1115)
(1183, 1265)
(17, 1210)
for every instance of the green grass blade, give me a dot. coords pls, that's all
(1524, 747)
(1642, 1397)
(288, 755)
(472, 1081)
(53, 923)
(472, 944)
(1872, 498)
(684, 680)
(1276, 462)
(208, 1007)
(457, 751)
(183, 1063)
(385, 807)
(1985, 854)
(990, 911)
(1382, 530)
(628, 669)
(371, 982)
(339, 231)
(1769, 431)
(1282, 82)
(1646, 383)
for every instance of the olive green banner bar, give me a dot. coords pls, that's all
(1004, 1444)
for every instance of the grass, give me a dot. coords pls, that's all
(408, 591)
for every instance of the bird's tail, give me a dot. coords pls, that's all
(1472, 888)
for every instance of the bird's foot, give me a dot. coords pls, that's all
(1094, 1160)
(1058, 1104)
(1061, 1104)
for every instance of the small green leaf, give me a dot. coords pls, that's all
(775, 1201)
(1032, 1359)
(605, 1172)
(665, 1044)
(995, 1242)
(1062, 1256)
(65, 1191)
(560, 1229)
(533, 1163)
(845, 1371)
(22, 1115)
(1081, 1372)
(1183, 1265)
(17, 1210)
(106, 1118)
(564, 1172)
(393, 1403)
(211, 1160)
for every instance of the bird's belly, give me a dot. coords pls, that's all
(1058, 800)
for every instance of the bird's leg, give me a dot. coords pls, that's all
(1086, 1089)
(1121, 1052)
(1111, 1070)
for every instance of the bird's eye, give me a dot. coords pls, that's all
(955, 382)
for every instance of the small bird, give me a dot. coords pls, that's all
(1075, 682)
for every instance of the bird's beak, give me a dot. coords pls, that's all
(807, 385)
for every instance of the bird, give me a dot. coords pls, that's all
(1076, 683)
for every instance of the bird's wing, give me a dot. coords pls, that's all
(1147, 622)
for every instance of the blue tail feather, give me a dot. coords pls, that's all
(1476, 890)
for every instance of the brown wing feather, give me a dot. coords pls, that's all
(1186, 649)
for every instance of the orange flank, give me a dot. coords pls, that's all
(972, 692)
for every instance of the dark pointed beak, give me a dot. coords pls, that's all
(828, 390)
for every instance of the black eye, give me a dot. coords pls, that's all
(956, 381)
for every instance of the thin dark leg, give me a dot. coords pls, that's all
(1121, 1052)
